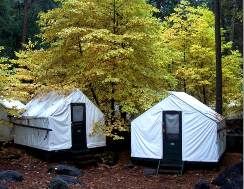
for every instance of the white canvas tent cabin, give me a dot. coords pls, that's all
(179, 128)
(6, 128)
(58, 122)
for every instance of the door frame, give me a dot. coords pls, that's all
(75, 124)
(164, 131)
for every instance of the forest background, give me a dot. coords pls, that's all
(124, 55)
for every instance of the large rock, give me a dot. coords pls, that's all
(3, 187)
(236, 183)
(230, 177)
(202, 184)
(68, 179)
(57, 183)
(65, 170)
(10, 175)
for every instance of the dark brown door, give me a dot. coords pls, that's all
(78, 126)
(172, 136)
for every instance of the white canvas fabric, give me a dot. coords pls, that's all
(53, 112)
(8, 103)
(5, 125)
(201, 140)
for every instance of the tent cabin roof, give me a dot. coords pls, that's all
(9, 103)
(198, 106)
(47, 105)
(191, 102)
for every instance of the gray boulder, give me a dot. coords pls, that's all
(57, 183)
(3, 187)
(231, 177)
(10, 175)
(65, 170)
(68, 179)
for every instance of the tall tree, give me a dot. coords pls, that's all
(219, 101)
(231, 16)
(37, 6)
(166, 7)
(18, 22)
(27, 4)
(110, 49)
(9, 27)
(189, 39)
(232, 22)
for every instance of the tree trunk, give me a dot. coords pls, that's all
(204, 94)
(218, 105)
(94, 95)
(234, 10)
(112, 84)
(25, 22)
(184, 60)
(184, 85)
(158, 4)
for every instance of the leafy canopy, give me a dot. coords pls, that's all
(109, 49)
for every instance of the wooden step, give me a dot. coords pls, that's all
(167, 171)
(170, 165)
(166, 167)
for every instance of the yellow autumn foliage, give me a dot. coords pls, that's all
(109, 49)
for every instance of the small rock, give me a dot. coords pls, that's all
(229, 174)
(11, 156)
(202, 184)
(10, 175)
(110, 158)
(149, 171)
(65, 170)
(68, 179)
(57, 183)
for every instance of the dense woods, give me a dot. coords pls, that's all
(121, 94)
(14, 12)
(123, 54)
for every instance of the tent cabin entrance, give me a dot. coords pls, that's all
(172, 137)
(70, 118)
(78, 126)
(176, 130)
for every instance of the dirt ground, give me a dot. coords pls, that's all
(36, 174)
